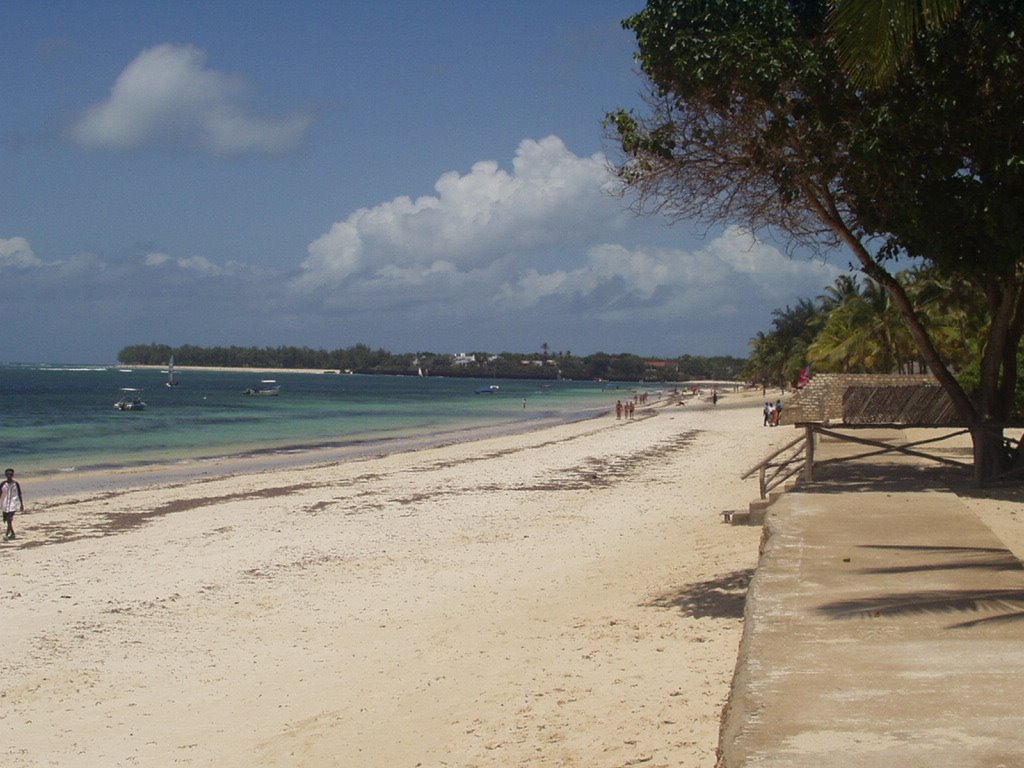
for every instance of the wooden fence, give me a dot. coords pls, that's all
(797, 457)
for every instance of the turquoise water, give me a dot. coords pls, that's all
(62, 418)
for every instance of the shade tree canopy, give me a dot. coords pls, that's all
(752, 119)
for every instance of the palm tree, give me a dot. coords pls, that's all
(863, 334)
(778, 356)
(874, 36)
(766, 363)
(842, 290)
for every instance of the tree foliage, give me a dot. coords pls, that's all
(874, 37)
(863, 333)
(853, 329)
(753, 120)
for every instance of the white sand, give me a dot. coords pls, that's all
(568, 597)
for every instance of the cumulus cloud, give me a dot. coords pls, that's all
(495, 258)
(167, 97)
(551, 196)
(542, 243)
(16, 252)
(733, 266)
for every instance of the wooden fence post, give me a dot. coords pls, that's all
(809, 453)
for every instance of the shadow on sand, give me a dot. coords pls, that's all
(720, 598)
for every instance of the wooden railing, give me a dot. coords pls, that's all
(795, 456)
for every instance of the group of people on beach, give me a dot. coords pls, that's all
(10, 502)
(772, 414)
(625, 409)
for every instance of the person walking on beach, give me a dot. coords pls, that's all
(10, 502)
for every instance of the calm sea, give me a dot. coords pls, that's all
(62, 418)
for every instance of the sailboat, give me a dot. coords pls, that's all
(170, 374)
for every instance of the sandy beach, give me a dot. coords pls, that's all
(566, 597)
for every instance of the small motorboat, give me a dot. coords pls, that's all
(488, 390)
(130, 400)
(266, 388)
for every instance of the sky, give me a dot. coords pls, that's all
(416, 175)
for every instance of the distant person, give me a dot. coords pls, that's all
(777, 418)
(10, 502)
(769, 414)
(618, 409)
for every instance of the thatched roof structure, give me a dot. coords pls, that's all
(849, 398)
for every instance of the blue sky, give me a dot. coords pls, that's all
(417, 176)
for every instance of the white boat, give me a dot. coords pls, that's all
(267, 388)
(130, 400)
(490, 390)
(170, 374)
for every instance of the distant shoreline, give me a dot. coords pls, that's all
(107, 479)
(723, 383)
(232, 369)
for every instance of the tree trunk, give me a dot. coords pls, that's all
(1006, 304)
(990, 458)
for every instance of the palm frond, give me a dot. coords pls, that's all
(872, 37)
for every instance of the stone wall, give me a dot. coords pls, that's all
(822, 399)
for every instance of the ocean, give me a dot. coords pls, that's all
(62, 418)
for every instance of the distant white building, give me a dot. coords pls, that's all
(461, 358)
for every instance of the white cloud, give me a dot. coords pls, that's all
(156, 259)
(167, 97)
(200, 265)
(16, 252)
(496, 259)
(551, 197)
(544, 244)
(735, 267)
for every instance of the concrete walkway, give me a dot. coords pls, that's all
(884, 627)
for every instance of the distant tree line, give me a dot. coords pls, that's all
(360, 358)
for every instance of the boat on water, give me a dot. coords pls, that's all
(171, 382)
(130, 400)
(490, 390)
(266, 388)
